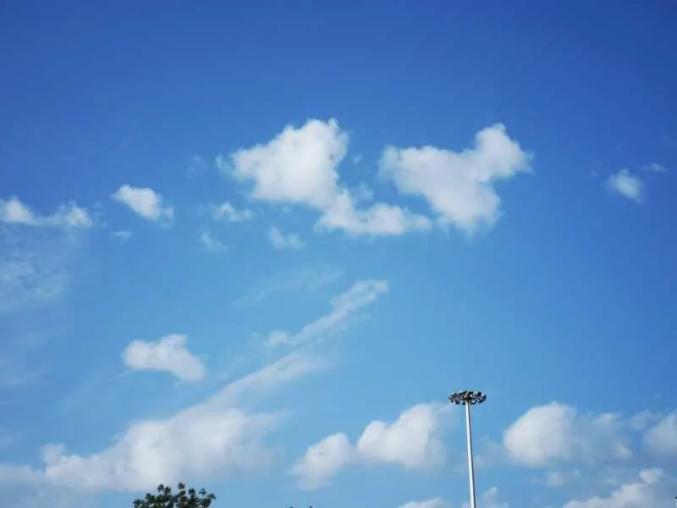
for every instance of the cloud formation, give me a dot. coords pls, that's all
(282, 241)
(436, 502)
(458, 186)
(67, 215)
(212, 437)
(323, 460)
(412, 441)
(625, 184)
(652, 488)
(299, 167)
(554, 433)
(225, 212)
(145, 202)
(361, 294)
(169, 354)
(212, 245)
(661, 439)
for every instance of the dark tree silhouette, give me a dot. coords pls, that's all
(184, 498)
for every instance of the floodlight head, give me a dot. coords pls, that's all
(467, 397)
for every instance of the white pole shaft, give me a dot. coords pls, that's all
(471, 468)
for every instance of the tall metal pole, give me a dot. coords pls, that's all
(469, 398)
(471, 468)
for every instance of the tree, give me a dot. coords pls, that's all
(182, 499)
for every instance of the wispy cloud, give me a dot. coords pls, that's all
(212, 245)
(210, 437)
(284, 241)
(122, 235)
(655, 168)
(226, 212)
(305, 280)
(361, 294)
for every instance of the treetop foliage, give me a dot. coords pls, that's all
(183, 498)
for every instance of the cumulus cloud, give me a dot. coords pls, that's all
(490, 499)
(458, 186)
(661, 439)
(345, 305)
(436, 502)
(412, 441)
(225, 212)
(627, 185)
(212, 245)
(168, 354)
(145, 202)
(282, 241)
(299, 166)
(67, 215)
(209, 438)
(197, 441)
(323, 460)
(554, 433)
(378, 219)
(651, 488)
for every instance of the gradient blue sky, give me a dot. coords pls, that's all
(559, 302)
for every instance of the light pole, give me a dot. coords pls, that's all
(469, 398)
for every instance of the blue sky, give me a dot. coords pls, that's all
(254, 246)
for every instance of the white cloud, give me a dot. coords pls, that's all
(627, 185)
(323, 460)
(197, 441)
(292, 366)
(490, 499)
(167, 354)
(561, 478)
(145, 202)
(28, 280)
(361, 294)
(282, 241)
(304, 280)
(67, 215)
(209, 438)
(196, 165)
(651, 489)
(211, 244)
(555, 433)
(122, 235)
(661, 439)
(436, 502)
(225, 212)
(299, 166)
(458, 186)
(655, 167)
(378, 219)
(412, 441)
